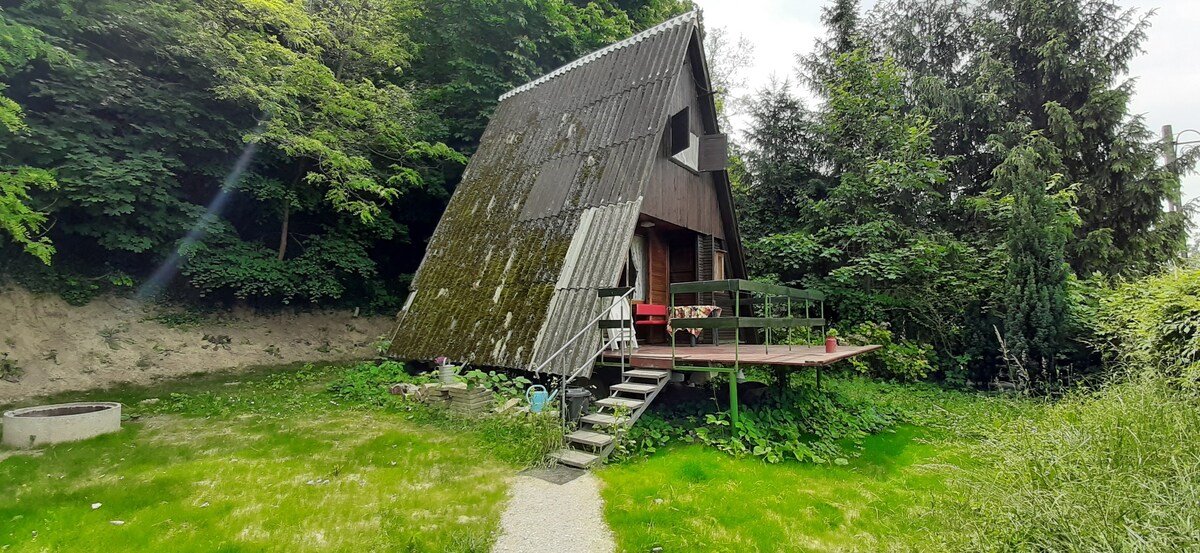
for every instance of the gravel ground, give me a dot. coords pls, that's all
(542, 516)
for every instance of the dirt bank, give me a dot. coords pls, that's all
(59, 347)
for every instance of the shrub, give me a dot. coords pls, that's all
(368, 382)
(797, 423)
(801, 423)
(1152, 323)
(898, 358)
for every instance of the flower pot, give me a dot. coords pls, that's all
(830, 344)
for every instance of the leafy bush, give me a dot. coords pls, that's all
(1115, 470)
(898, 358)
(1152, 323)
(803, 423)
(368, 382)
(224, 266)
(799, 423)
(501, 384)
(652, 432)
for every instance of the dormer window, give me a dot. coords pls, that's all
(684, 145)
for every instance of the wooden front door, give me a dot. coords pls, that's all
(660, 267)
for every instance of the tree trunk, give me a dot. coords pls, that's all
(283, 231)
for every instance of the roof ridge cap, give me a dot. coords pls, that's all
(690, 16)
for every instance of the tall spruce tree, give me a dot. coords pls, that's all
(780, 184)
(999, 69)
(1036, 317)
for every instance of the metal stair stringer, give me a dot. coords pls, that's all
(598, 432)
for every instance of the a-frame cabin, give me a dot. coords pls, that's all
(607, 171)
(604, 178)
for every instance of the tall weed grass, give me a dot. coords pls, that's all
(1117, 470)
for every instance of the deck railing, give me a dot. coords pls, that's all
(788, 302)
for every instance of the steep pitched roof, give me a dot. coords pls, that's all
(545, 210)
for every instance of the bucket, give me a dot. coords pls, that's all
(578, 400)
(446, 373)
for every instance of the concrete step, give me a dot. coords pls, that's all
(634, 388)
(646, 373)
(587, 437)
(603, 419)
(575, 458)
(620, 402)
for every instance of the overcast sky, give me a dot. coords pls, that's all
(1168, 73)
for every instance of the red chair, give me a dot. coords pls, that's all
(649, 314)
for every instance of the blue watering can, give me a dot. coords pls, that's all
(539, 398)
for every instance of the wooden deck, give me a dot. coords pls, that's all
(659, 357)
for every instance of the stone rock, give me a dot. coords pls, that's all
(509, 405)
(408, 391)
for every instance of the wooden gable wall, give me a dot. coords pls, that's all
(674, 193)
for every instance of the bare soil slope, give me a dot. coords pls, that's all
(60, 347)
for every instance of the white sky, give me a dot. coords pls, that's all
(1168, 73)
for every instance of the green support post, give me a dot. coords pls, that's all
(767, 313)
(737, 366)
(791, 337)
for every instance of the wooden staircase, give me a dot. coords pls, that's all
(598, 432)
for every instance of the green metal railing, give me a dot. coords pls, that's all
(787, 303)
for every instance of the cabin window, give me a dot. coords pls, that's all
(718, 265)
(684, 145)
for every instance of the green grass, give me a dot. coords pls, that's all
(259, 461)
(711, 501)
(694, 498)
(1114, 470)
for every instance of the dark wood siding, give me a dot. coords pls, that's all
(683, 263)
(673, 193)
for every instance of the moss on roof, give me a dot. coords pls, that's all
(484, 290)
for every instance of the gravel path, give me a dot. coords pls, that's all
(542, 516)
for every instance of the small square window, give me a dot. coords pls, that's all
(684, 145)
(681, 133)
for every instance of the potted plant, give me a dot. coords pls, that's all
(831, 342)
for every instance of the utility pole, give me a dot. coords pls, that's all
(1168, 144)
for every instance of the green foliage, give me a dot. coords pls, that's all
(1151, 324)
(803, 424)
(1036, 318)
(10, 371)
(303, 125)
(787, 424)
(851, 199)
(651, 433)
(226, 267)
(24, 225)
(500, 383)
(906, 197)
(992, 72)
(898, 358)
(368, 382)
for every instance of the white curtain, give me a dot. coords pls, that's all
(637, 253)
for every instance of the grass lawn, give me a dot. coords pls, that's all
(695, 498)
(268, 463)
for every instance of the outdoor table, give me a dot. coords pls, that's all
(693, 312)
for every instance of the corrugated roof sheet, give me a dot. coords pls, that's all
(545, 210)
